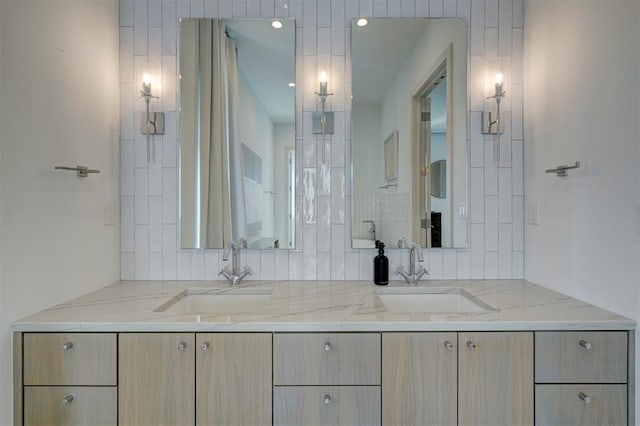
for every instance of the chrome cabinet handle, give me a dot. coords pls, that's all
(448, 345)
(584, 398)
(182, 346)
(327, 346)
(67, 400)
(67, 346)
(327, 399)
(204, 346)
(470, 344)
(585, 344)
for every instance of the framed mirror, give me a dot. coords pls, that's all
(237, 133)
(409, 80)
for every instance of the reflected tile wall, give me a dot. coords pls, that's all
(149, 34)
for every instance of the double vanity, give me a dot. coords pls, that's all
(489, 352)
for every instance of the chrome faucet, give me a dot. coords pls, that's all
(414, 274)
(372, 229)
(234, 275)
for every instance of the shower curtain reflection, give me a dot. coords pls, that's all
(209, 97)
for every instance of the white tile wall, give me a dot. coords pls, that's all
(149, 32)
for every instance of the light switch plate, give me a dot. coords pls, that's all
(533, 214)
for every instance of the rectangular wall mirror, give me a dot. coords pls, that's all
(409, 81)
(237, 133)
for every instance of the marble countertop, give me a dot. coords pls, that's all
(321, 306)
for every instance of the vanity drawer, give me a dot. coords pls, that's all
(326, 359)
(581, 404)
(70, 359)
(581, 357)
(326, 405)
(59, 405)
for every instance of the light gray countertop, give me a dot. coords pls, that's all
(321, 306)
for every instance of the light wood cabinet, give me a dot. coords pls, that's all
(326, 359)
(495, 378)
(64, 405)
(581, 378)
(68, 379)
(581, 405)
(326, 405)
(233, 381)
(156, 379)
(326, 379)
(419, 378)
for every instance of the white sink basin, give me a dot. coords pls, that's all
(431, 300)
(217, 301)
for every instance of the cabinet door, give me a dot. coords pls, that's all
(233, 385)
(495, 378)
(326, 405)
(419, 378)
(64, 405)
(156, 379)
(581, 404)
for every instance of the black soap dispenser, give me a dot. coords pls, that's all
(380, 266)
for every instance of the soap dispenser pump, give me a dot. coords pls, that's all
(380, 266)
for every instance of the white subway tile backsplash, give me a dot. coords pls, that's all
(141, 258)
(394, 8)
(491, 223)
(449, 9)
(127, 266)
(197, 265)
(436, 8)
(184, 265)
(506, 26)
(127, 225)
(504, 196)
(490, 13)
(239, 9)
(379, 8)
(491, 265)
(149, 192)
(141, 197)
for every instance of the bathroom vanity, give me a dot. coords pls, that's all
(292, 353)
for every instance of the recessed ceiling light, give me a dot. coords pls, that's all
(276, 24)
(362, 22)
(292, 84)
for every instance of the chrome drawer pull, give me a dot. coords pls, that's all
(67, 400)
(585, 344)
(204, 346)
(327, 346)
(470, 344)
(67, 346)
(327, 399)
(584, 398)
(448, 345)
(182, 346)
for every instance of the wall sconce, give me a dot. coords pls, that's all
(323, 120)
(151, 123)
(489, 125)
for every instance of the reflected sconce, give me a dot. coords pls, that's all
(491, 125)
(323, 119)
(151, 123)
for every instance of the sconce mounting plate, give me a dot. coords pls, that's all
(488, 128)
(316, 129)
(148, 127)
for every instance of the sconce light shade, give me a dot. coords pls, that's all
(493, 125)
(323, 120)
(151, 123)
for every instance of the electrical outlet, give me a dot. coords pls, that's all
(533, 214)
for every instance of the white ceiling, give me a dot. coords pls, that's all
(266, 57)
